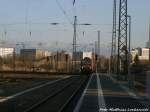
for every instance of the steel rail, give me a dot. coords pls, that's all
(62, 109)
(32, 89)
(44, 100)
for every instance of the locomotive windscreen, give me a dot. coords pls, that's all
(86, 61)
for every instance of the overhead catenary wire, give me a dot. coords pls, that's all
(29, 28)
(51, 23)
(64, 12)
(27, 20)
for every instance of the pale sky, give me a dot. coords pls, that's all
(20, 17)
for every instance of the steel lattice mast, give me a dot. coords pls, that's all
(113, 49)
(74, 44)
(122, 38)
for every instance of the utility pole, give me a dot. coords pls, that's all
(74, 54)
(98, 46)
(122, 59)
(129, 41)
(113, 48)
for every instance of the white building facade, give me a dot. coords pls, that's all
(5, 52)
(142, 53)
(87, 54)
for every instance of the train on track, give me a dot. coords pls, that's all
(86, 66)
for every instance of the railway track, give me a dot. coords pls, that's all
(54, 97)
(59, 100)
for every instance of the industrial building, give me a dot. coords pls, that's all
(32, 54)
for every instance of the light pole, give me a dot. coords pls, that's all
(130, 81)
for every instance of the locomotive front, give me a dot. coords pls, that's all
(86, 65)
